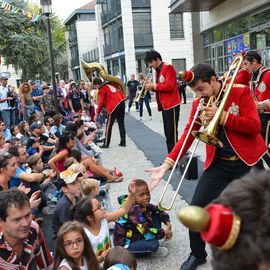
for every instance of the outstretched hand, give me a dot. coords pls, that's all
(157, 174)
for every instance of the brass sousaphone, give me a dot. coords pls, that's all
(92, 67)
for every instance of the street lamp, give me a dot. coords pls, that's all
(46, 7)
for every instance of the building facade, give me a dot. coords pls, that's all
(127, 29)
(81, 34)
(228, 27)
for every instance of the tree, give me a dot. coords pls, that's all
(23, 44)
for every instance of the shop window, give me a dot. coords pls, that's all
(237, 27)
(260, 18)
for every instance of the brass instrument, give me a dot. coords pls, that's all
(207, 135)
(92, 67)
(143, 91)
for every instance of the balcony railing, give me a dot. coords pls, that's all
(91, 56)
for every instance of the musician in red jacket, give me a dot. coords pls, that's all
(167, 95)
(239, 127)
(260, 85)
(110, 96)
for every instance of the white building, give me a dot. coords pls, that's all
(227, 27)
(82, 39)
(127, 29)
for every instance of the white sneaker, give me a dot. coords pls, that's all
(150, 118)
(140, 119)
(161, 252)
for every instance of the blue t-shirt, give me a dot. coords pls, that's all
(15, 181)
(37, 93)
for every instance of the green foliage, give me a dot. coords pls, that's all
(24, 45)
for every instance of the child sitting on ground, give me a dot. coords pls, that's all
(95, 220)
(118, 255)
(34, 147)
(73, 249)
(91, 187)
(140, 230)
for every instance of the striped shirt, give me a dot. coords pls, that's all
(34, 248)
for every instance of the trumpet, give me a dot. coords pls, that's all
(143, 91)
(208, 130)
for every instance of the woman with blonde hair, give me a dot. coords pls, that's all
(26, 101)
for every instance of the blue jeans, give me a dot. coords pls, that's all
(143, 247)
(8, 117)
(146, 247)
(146, 101)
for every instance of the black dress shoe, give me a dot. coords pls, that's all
(192, 262)
(104, 146)
(122, 144)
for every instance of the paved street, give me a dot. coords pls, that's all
(132, 161)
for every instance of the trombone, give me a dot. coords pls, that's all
(207, 134)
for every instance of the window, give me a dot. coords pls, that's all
(176, 26)
(179, 64)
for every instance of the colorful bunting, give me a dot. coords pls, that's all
(34, 18)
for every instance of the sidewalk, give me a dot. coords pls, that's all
(132, 162)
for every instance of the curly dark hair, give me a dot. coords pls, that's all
(249, 198)
(202, 72)
(11, 197)
(152, 55)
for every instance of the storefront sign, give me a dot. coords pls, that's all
(237, 44)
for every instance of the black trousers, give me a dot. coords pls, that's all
(119, 114)
(211, 184)
(131, 100)
(265, 131)
(170, 123)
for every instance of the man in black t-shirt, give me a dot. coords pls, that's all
(132, 85)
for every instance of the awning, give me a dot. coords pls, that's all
(179, 6)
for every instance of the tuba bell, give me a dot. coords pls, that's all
(89, 68)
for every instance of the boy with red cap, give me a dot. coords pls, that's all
(238, 127)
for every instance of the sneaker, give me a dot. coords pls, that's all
(140, 119)
(161, 252)
(116, 172)
(150, 118)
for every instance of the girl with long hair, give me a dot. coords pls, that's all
(27, 104)
(63, 152)
(73, 250)
(95, 221)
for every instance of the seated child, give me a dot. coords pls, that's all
(4, 146)
(95, 220)
(140, 230)
(85, 117)
(118, 255)
(33, 146)
(91, 187)
(70, 186)
(69, 256)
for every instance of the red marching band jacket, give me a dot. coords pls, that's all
(262, 85)
(110, 96)
(242, 128)
(167, 94)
